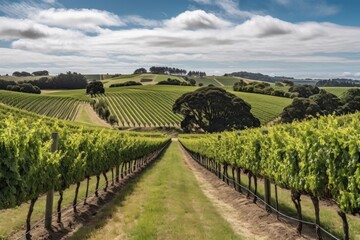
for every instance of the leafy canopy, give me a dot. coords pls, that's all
(213, 109)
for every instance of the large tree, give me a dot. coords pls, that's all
(213, 109)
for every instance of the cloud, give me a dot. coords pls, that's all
(195, 20)
(192, 39)
(88, 19)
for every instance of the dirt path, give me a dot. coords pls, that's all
(86, 114)
(246, 218)
(219, 82)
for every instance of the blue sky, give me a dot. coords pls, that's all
(300, 38)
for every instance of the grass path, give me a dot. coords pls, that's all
(166, 202)
(87, 115)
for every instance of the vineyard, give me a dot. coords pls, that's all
(57, 107)
(34, 162)
(319, 158)
(151, 106)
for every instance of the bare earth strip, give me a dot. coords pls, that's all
(219, 82)
(86, 114)
(245, 217)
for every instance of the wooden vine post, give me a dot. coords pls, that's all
(50, 194)
(267, 186)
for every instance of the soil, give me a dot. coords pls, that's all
(246, 218)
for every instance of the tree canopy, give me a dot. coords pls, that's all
(213, 109)
(95, 87)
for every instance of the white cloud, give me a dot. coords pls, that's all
(196, 37)
(195, 20)
(88, 19)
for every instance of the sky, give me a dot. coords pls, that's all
(296, 38)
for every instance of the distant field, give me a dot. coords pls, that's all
(338, 91)
(151, 106)
(57, 107)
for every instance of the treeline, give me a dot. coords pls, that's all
(321, 104)
(24, 87)
(177, 82)
(338, 82)
(304, 91)
(27, 74)
(170, 71)
(196, 74)
(167, 70)
(258, 76)
(102, 109)
(69, 80)
(125, 84)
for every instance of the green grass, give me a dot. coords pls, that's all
(166, 202)
(338, 91)
(79, 94)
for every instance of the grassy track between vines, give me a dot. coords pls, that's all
(166, 202)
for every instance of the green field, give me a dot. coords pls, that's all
(338, 91)
(151, 106)
(57, 107)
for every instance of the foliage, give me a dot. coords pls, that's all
(213, 109)
(95, 87)
(28, 169)
(126, 84)
(140, 71)
(318, 157)
(304, 91)
(24, 88)
(69, 80)
(167, 70)
(259, 77)
(177, 82)
(339, 82)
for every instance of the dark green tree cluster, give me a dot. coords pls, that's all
(304, 91)
(4, 84)
(24, 87)
(167, 70)
(196, 74)
(125, 84)
(140, 71)
(177, 82)
(69, 80)
(258, 77)
(339, 82)
(102, 109)
(213, 109)
(261, 88)
(94, 88)
(27, 74)
(324, 103)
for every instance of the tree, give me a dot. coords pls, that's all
(328, 102)
(140, 71)
(41, 73)
(304, 91)
(95, 87)
(213, 109)
(300, 109)
(351, 101)
(192, 82)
